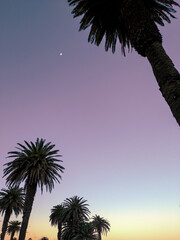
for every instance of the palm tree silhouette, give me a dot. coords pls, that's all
(13, 227)
(76, 212)
(11, 200)
(36, 164)
(133, 23)
(101, 225)
(57, 218)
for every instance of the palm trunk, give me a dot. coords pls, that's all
(167, 77)
(29, 199)
(12, 235)
(59, 235)
(142, 31)
(147, 41)
(99, 235)
(5, 223)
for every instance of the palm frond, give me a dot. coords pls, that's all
(14, 226)
(34, 163)
(107, 19)
(12, 199)
(100, 224)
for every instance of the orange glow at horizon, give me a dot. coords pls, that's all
(124, 226)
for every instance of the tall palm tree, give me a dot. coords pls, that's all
(57, 218)
(13, 227)
(134, 24)
(101, 225)
(11, 200)
(76, 212)
(36, 164)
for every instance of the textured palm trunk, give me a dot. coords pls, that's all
(29, 199)
(147, 41)
(5, 223)
(142, 31)
(59, 235)
(167, 77)
(12, 235)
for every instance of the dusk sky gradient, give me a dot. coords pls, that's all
(119, 142)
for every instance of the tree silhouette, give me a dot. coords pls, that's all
(134, 24)
(101, 225)
(13, 227)
(36, 164)
(57, 218)
(11, 200)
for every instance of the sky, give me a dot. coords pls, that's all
(104, 112)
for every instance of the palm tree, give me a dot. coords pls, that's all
(86, 232)
(11, 200)
(36, 164)
(101, 225)
(76, 212)
(134, 24)
(57, 218)
(13, 227)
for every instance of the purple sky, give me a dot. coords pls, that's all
(119, 140)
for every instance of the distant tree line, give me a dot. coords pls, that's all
(73, 222)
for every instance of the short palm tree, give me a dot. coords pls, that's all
(134, 24)
(11, 200)
(36, 164)
(57, 218)
(13, 227)
(101, 225)
(76, 212)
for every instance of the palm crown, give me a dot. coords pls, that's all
(111, 18)
(11, 199)
(57, 215)
(101, 225)
(36, 164)
(14, 226)
(76, 209)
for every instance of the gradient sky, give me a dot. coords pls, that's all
(119, 140)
